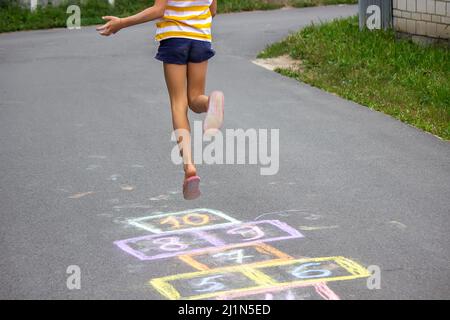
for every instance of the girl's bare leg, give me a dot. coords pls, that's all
(175, 76)
(196, 78)
(199, 102)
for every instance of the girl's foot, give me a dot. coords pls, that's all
(191, 188)
(191, 185)
(214, 116)
(189, 171)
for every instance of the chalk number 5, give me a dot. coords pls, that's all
(210, 285)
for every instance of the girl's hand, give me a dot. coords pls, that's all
(113, 25)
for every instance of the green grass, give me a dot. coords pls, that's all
(225, 6)
(15, 18)
(312, 3)
(249, 5)
(405, 80)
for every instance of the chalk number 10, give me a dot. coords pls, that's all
(192, 219)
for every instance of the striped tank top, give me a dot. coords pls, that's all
(185, 19)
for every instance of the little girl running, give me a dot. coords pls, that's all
(184, 35)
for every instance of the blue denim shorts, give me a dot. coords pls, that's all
(183, 51)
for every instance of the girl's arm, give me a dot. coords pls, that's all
(114, 24)
(213, 8)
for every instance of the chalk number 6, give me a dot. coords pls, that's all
(302, 271)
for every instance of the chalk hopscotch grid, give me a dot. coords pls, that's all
(261, 280)
(123, 244)
(138, 222)
(320, 288)
(264, 283)
(260, 247)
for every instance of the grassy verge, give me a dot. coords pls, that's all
(15, 18)
(405, 80)
(226, 6)
(248, 5)
(312, 3)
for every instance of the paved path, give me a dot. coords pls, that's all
(84, 140)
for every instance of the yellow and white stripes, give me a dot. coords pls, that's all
(185, 19)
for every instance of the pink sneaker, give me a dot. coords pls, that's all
(214, 116)
(191, 188)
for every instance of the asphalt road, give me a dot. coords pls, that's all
(85, 146)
